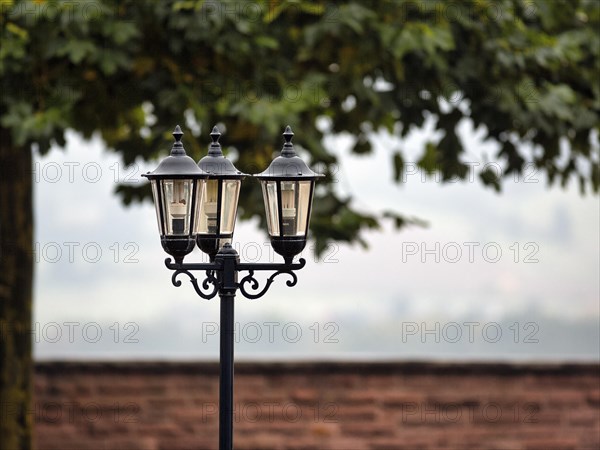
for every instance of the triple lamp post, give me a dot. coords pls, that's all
(196, 204)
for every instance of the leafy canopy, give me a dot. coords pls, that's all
(526, 72)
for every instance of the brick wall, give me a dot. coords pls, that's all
(172, 406)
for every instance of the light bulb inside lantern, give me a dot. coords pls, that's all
(288, 208)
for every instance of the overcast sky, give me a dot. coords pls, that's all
(509, 276)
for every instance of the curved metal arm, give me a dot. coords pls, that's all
(212, 278)
(204, 290)
(193, 266)
(286, 269)
(272, 266)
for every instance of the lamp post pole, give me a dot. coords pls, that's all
(226, 378)
(229, 259)
(222, 274)
(196, 205)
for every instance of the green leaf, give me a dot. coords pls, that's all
(17, 30)
(429, 160)
(266, 41)
(401, 221)
(558, 101)
(77, 50)
(362, 145)
(595, 176)
(398, 162)
(489, 177)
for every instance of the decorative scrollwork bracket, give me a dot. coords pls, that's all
(254, 293)
(249, 286)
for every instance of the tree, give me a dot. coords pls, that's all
(525, 72)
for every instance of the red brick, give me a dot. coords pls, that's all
(359, 414)
(305, 395)
(361, 397)
(553, 444)
(367, 430)
(402, 399)
(593, 398)
(163, 406)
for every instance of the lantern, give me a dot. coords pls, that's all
(288, 188)
(220, 195)
(177, 183)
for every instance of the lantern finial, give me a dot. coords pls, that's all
(288, 147)
(177, 148)
(214, 148)
(288, 134)
(177, 134)
(215, 134)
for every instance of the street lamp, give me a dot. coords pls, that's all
(198, 204)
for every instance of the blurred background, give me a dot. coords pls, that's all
(511, 276)
(454, 250)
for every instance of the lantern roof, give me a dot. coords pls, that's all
(288, 165)
(177, 165)
(215, 164)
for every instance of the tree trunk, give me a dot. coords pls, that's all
(16, 283)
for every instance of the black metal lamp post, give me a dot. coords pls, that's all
(212, 195)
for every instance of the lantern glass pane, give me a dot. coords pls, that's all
(207, 220)
(270, 199)
(177, 204)
(154, 185)
(304, 201)
(231, 192)
(199, 205)
(295, 202)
